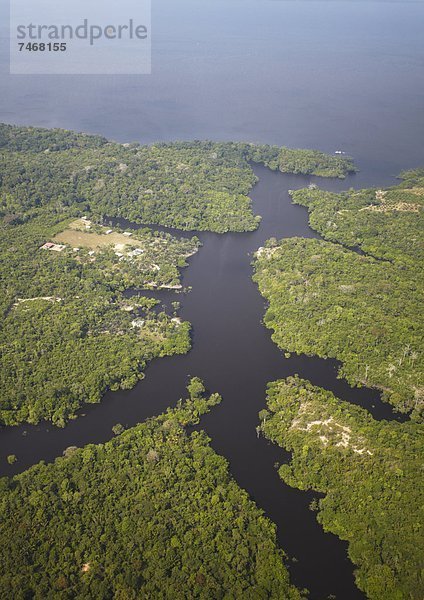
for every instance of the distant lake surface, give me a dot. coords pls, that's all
(329, 75)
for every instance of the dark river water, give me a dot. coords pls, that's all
(233, 353)
(330, 75)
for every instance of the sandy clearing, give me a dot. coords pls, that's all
(77, 235)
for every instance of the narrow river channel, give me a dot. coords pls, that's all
(233, 353)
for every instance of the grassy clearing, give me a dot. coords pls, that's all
(78, 235)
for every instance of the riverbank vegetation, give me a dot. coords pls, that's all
(68, 332)
(299, 162)
(366, 312)
(387, 224)
(313, 162)
(187, 185)
(196, 185)
(58, 354)
(370, 473)
(331, 302)
(306, 162)
(153, 513)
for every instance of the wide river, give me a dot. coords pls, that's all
(233, 352)
(330, 75)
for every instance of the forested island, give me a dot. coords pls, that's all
(153, 513)
(370, 473)
(361, 307)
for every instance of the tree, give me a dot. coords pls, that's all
(196, 388)
(118, 429)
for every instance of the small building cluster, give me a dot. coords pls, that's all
(52, 246)
(136, 252)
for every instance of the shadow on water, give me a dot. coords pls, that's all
(233, 353)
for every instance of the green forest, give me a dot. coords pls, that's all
(187, 185)
(196, 185)
(355, 296)
(363, 309)
(313, 162)
(299, 161)
(153, 514)
(370, 475)
(386, 224)
(68, 332)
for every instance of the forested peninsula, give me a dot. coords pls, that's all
(370, 473)
(153, 513)
(358, 295)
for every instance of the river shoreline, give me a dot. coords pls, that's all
(233, 352)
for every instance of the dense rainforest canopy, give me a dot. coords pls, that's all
(356, 296)
(387, 224)
(188, 185)
(153, 513)
(363, 309)
(68, 333)
(370, 473)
